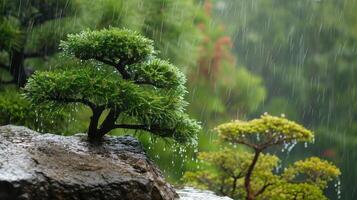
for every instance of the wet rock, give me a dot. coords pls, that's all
(189, 193)
(44, 166)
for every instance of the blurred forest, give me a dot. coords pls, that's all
(241, 57)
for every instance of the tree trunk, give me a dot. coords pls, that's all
(234, 186)
(17, 69)
(248, 189)
(93, 134)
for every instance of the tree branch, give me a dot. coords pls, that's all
(109, 122)
(234, 186)
(229, 172)
(271, 142)
(143, 82)
(132, 126)
(122, 63)
(108, 62)
(263, 189)
(89, 103)
(72, 100)
(41, 20)
(246, 143)
(144, 128)
(121, 68)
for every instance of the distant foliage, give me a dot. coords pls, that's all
(305, 51)
(171, 24)
(222, 88)
(121, 75)
(14, 109)
(10, 36)
(250, 174)
(19, 19)
(29, 34)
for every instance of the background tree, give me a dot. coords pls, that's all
(30, 31)
(305, 52)
(143, 90)
(250, 175)
(220, 88)
(233, 91)
(15, 109)
(171, 24)
(18, 18)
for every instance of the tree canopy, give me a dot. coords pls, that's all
(250, 175)
(121, 74)
(264, 132)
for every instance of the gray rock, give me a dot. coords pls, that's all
(189, 193)
(37, 166)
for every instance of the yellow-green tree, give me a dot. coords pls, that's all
(250, 175)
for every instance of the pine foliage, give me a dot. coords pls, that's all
(120, 74)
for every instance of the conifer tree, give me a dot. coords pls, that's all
(120, 80)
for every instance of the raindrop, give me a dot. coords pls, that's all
(277, 168)
(338, 189)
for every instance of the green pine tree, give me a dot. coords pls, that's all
(121, 81)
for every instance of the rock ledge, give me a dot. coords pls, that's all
(37, 166)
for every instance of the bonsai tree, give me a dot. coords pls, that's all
(121, 81)
(250, 175)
